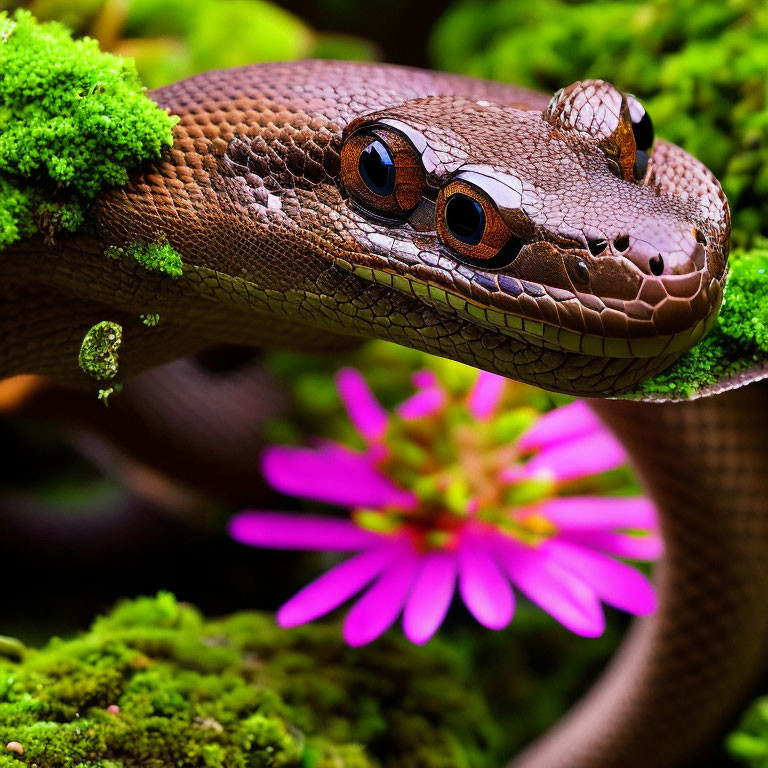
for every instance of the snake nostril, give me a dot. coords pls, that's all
(656, 263)
(621, 243)
(701, 238)
(596, 247)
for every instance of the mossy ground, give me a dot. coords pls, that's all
(238, 693)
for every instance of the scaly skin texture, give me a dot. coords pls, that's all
(277, 250)
(251, 196)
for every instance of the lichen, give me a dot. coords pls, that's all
(738, 340)
(72, 121)
(155, 684)
(158, 257)
(98, 356)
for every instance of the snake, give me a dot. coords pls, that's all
(551, 239)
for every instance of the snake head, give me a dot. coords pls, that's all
(570, 229)
(551, 241)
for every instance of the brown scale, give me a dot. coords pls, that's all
(255, 196)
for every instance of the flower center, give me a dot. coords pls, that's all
(458, 468)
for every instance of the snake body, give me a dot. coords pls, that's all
(601, 259)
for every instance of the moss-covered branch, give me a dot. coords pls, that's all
(73, 120)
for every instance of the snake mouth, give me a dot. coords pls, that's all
(539, 332)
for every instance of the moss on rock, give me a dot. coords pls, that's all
(154, 684)
(72, 121)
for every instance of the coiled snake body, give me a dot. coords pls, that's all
(549, 240)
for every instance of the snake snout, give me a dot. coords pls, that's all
(661, 253)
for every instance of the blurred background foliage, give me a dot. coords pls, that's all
(700, 68)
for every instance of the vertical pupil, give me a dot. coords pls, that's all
(377, 168)
(465, 218)
(643, 130)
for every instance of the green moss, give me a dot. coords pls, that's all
(72, 121)
(158, 257)
(238, 693)
(151, 320)
(17, 212)
(98, 356)
(738, 340)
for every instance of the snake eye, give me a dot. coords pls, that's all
(469, 223)
(377, 169)
(382, 171)
(464, 218)
(642, 126)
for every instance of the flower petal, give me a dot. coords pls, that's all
(560, 425)
(592, 454)
(424, 403)
(336, 586)
(282, 531)
(377, 610)
(485, 395)
(615, 583)
(649, 547)
(424, 379)
(483, 587)
(335, 476)
(597, 513)
(365, 412)
(558, 591)
(430, 597)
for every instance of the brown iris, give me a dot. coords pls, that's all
(382, 170)
(469, 223)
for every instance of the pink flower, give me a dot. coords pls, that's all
(447, 493)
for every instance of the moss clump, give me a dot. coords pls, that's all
(158, 257)
(98, 356)
(738, 340)
(237, 692)
(72, 121)
(154, 257)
